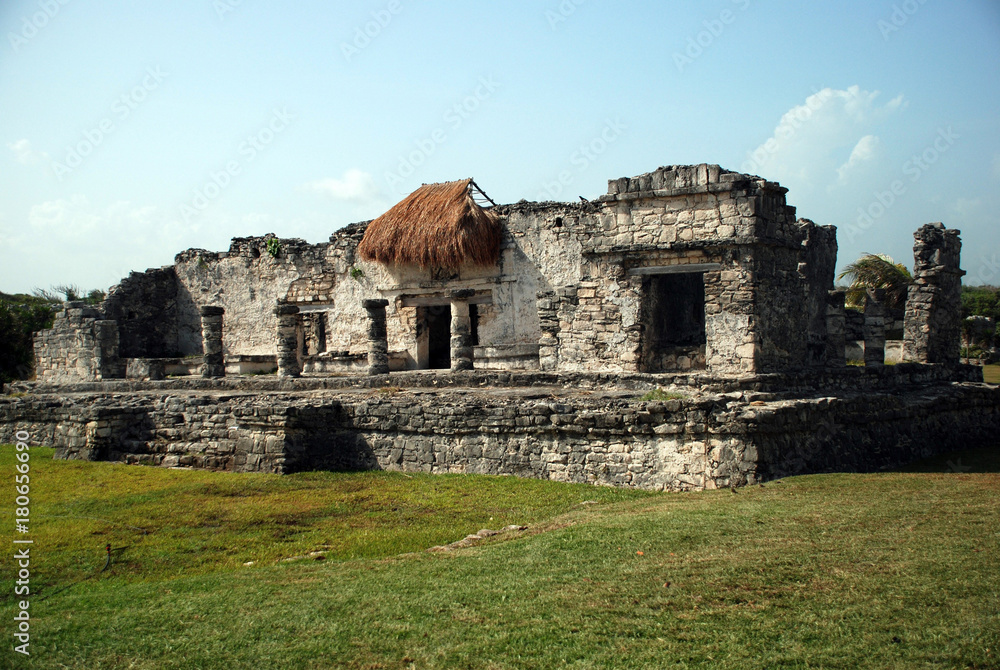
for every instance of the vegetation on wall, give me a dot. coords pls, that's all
(21, 316)
(877, 271)
(273, 246)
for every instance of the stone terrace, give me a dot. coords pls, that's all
(579, 428)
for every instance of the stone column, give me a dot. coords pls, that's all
(461, 330)
(932, 326)
(211, 337)
(288, 340)
(874, 329)
(548, 342)
(836, 344)
(378, 337)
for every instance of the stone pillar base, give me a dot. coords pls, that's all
(461, 331)
(874, 329)
(211, 336)
(288, 340)
(378, 338)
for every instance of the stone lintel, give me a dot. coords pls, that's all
(688, 268)
(286, 310)
(434, 301)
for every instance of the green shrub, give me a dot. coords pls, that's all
(20, 317)
(273, 246)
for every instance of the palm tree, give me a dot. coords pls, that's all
(877, 271)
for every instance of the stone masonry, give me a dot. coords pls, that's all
(933, 304)
(211, 333)
(874, 328)
(287, 340)
(81, 345)
(378, 345)
(693, 279)
(607, 436)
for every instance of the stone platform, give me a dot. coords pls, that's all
(713, 432)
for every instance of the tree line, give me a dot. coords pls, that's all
(21, 316)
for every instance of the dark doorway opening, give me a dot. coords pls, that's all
(673, 319)
(438, 337)
(474, 321)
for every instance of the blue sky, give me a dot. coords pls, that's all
(132, 130)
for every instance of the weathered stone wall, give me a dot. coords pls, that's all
(867, 432)
(145, 307)
(803, 382)
(817, 269)
(933, 305)
(81, 346)
(766, 275)
(765, 278)
(246, 281)
(238, 434)
(703, 440)
(854, 324)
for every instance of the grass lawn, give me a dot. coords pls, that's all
(890, 570)
(991, 373)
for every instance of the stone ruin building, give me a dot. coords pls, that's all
(455, 335)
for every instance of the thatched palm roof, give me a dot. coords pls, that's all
(438, 225)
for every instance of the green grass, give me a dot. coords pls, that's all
(165, 523)
(991, 373)
(889, 570)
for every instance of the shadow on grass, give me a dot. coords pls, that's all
(982, 460)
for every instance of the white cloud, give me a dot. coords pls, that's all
(93, 245)
(355, 186)
(24, 154)
(864, 151)
(118, 229)
(65, 217)
(815, 143)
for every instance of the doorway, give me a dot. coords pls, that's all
(437, 327)
(673, 319)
